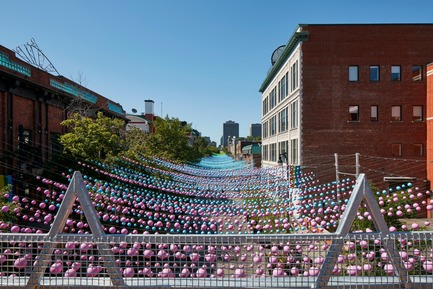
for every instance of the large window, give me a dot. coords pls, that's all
(283, 88)
(295, 76)
(273, 152)
(294, 114)
(282, 120)
(273, 98)
(417, 114)
(273, 129)
(265, 105)
(353, 73)
(265, 155)
(265, 132)
(374, 73)
(353, 113)
(294, 151)
(396, 73)
(396, 113)
(374, 113)
(282, 147)
(417, 73)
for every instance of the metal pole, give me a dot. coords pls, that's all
(357, 164)
(337, 180)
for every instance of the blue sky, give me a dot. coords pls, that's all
(200, 61)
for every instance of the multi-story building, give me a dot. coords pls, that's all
(256, 130)
(230, 130)
(33, 103)
(347, 89)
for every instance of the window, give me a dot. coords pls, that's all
(417, 113)
(283, 88)
(279, 91)
(353, 73)
(265, 129)
(294, 151)
(396, 149)
(395, 73)
(353, 113)
(273, 99)
(282, 121)
(374, 73)
(273, 129)
(418, 150)
(282, 147)
(417, 73)
(294, 115)
(374, 113)
(265, 153)
(295, 76)
(396, 113)
(273, 152)
(265, 106)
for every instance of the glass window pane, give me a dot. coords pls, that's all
(417, 113)
(353, 113)
(353, 73)
(374, 73)
(417, 73)
(374, 113)
(395, 73)
(396, 113)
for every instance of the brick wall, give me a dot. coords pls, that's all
(327, 93)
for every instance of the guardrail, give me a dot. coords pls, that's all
(98, 260)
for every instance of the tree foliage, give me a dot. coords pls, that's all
(171, 141)
(105, 139)
(97, 138)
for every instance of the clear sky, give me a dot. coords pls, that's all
(201, 61)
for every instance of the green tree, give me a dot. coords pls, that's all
(135, 143)
(99, 139)
(171, 141)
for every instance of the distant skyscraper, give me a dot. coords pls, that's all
(256, 130)
(230, 129)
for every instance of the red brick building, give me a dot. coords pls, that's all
(346, 89)
(33, 103)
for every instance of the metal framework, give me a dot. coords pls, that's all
(32, 54)
(337, 260)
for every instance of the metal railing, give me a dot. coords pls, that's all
(98, 260)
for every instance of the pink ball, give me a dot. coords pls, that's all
(20, 263)
(15, 229)
(129, 272)
(56, 268)
(428, 266)
(71, 273)
(5, 209)
(389, 269)
(201, 273)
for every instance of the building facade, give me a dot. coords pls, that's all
(347, 89)
(230, 130)
(33, 103)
